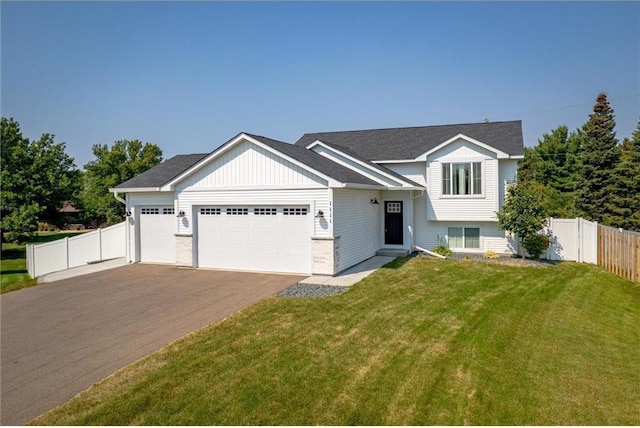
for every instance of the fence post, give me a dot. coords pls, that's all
(100, 243)
(66, 243)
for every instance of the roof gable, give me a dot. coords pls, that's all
(410, 143)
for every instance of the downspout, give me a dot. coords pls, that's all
(126, 226)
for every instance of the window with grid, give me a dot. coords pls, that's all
(147, 211)
(264, 211)
(464, 237)
(210, 211)
(168, 211)
(294, 211)
(237, 211)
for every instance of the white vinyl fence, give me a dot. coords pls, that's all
(574, 239)
(101, 244)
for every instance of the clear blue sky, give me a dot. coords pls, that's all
(190, 76)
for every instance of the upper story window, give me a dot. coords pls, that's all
(462, 178)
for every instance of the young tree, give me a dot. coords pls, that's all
(112, 166)
(524, 214)
(626, 189)
(599, 157)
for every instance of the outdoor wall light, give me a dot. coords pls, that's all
(127, 214)
(320, 214)
(374, 201)
(180, 214)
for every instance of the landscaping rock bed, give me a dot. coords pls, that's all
(308, 290)
(502, 259)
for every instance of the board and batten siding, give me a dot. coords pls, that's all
(135, 202)
(415, 171)
(317, 199)
(358, 224)
(247, 164)
(468, 207)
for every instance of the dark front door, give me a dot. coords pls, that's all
(393, 222)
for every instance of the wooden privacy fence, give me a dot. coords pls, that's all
(619, 252)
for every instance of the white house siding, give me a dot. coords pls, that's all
(508, 170)
(462, 208)
(247, 164)
(429, 234)
(366, 171)
(358, 224)
(415, 171)
(135, 201)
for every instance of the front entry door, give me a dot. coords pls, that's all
(393, 223)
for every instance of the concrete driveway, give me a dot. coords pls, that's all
(60, 338)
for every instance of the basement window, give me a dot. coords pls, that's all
(464, 237)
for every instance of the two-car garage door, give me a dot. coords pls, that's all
(255, 238)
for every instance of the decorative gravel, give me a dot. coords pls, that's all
(308, 290)
(502, 259)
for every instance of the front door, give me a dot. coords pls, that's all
(393, 223)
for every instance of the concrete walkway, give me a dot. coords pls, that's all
(83, 270)
(351, 275)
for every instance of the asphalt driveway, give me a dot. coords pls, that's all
(60, 338)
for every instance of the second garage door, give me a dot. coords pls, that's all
(157, 242)
(257, 238)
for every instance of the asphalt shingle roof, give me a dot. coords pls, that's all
(409, 143)
(162, 173)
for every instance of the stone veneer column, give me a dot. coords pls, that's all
(325, 255)
(184, 250)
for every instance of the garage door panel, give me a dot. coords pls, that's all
(263, 239)
(157, 241)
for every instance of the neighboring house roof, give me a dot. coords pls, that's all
(409, 143)
(69, 208)
(316, 161)
(160, 174)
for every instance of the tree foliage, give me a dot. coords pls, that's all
(37, 178)
(112, 166)
(599, 157)
(626, 189)
(524, 212)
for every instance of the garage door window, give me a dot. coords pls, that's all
(237, 211)
(168, 211)
(147, 211)
(210, 211)
(295, 211)
(264, 211)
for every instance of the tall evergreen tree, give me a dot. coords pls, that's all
(626, 192)
(599, 158)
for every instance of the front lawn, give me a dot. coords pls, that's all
(13, 262)
(419, 342)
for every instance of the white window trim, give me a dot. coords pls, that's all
(481, 195)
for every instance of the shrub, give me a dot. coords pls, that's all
(443, 250)
(536, 245)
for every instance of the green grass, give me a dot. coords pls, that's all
(13, 262)
(420, 342)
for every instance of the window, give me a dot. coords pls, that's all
(464, 237)
(147, 211)
(462, 178)
(210, 211)
(394, 207)
(237, 211)
(168, 211)
(264, 211)
(294, 211)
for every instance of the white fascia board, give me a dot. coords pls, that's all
(499, 154)
(394, 161)
(135, 189)
(517, 157)
(230, 144)
(363, 186)
(404, 184)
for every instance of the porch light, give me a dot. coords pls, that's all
(180, 214)
(320, 214)
(127, 214)
(374, 201)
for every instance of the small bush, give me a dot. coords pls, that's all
(443, 250)
(490, 255)
(536, 245)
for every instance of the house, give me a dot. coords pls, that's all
(327, 202)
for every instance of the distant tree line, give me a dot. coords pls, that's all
(584, 173)
(38, 177)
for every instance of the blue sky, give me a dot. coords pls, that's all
(190, 76)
